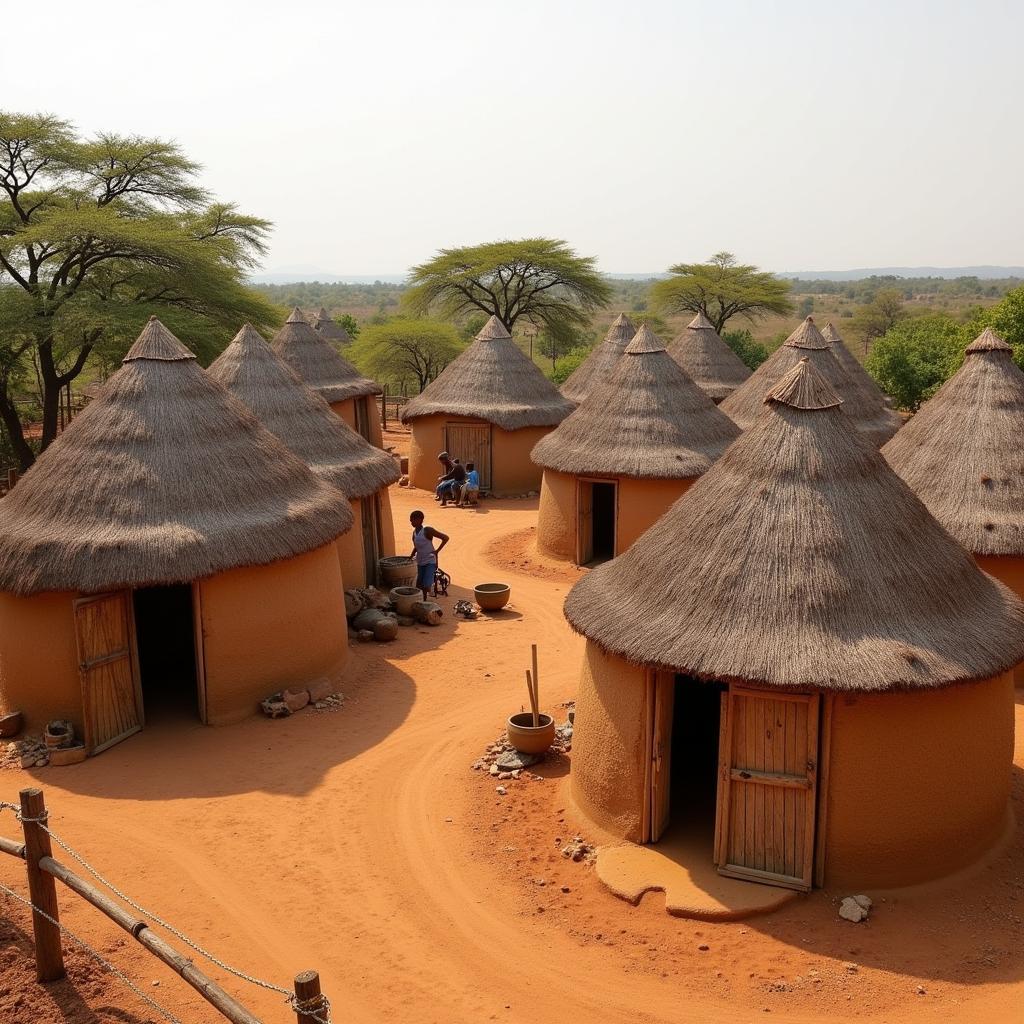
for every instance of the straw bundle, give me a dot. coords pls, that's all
(493, 381)
(334, 379)
(962, 453)
(744, 404)
(328, 329)
(597, 367)
(868, 392)
(712, 365)
(299, 418)
(163, 478)
(800, 559)
(648, 420)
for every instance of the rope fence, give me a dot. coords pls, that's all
(305, 999)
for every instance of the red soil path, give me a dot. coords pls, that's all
(360, 842)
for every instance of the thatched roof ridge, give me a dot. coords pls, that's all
(598, 366)
(163, 478)
(744, 404)
(648, 420)
(801, 560)
(802, 388)
(492, 380)
(314, 359)
(884, 421)
(962, 453)
(700, 351)
(328, 328)
(299, 418)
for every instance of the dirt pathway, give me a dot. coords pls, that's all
(360, 842)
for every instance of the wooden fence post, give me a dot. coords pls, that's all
(384, 409)
(308, 995)
(41, 887)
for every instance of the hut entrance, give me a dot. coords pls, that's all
(471, 442)
(737, 768)
(370, 515)
(165, 633)
(597, 504)
(362, 416)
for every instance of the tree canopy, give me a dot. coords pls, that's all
(97, 234)
(721, 289)
(538, 280)
(404, 350)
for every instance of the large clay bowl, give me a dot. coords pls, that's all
(492, 596)
(527, 738)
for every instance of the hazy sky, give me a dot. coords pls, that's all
(798, 135)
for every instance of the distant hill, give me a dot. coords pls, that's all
(945, 272)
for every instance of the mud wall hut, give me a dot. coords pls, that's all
(166, 549)
(800, 666)
(351, 395)
(302, 421)
(597, 367)
(709, 362)
(615, 465)
(961, 454)
(490, 406)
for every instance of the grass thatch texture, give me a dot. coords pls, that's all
(598, 366)
(712, 365)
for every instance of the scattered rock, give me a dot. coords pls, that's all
(494, 770)
(862, 901)
(364, 636)
(703, 947)
(321, 690)
(513, 760)
(504, 776)
(500, 790)
(851, 968)
(385, 629)
(851, 910)
(566, 888)
(275, 707)
(354, 603)
(367, 618)
(427, 612)
(921, 990)
(403, 480)
(405, 620)
(295, 700)
(578, 850)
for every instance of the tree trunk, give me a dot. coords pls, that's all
(9, 414)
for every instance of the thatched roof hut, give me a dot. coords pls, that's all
(165, 528)
(714, 367)
(639, 438)
(490, 405)
(330, 329)
(807, 342)
(800, 566)
(597, 367)
(312, 357)
(868, 392)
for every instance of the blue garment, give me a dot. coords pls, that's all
(473, 480)
(425, 575)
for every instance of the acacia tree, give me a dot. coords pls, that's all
(403, 349)
(96, 235)
(537, 280)
(721, 289)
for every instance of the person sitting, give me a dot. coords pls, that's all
(471, 488)
(449, 489)
(446, 475)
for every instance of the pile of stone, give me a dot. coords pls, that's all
(577, 849)
(855, 908)
(57, 746)
(372, 615)
(29, 752)
(321, 696)
(502, 761)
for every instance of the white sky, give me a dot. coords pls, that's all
(645, 132)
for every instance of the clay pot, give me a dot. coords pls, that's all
(492, 596)
(397, 571)
(59, 734)
(74, 754)
(10, 725)
(403, 598)
(527, 738)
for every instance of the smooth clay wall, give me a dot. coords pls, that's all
(609, 743)
(1011, 572)
(350, 544)
(347, 411)
(918, 783)
(39, 659)
(270, 627)
(512, 469)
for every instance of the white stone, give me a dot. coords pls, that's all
(864, 902)
(851, 910)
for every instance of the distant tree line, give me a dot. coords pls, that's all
(864, 289)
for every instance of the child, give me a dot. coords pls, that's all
(471, 488)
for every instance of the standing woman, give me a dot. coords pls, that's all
(424, 552)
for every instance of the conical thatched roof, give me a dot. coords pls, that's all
(800, 559)
(492, 380)
(163, 478)
(963, 453)
(334, 379)
(647, 420)
(297, 416)
(597, 367)
(886, 421)
(330, 329)
(714, 367)
(744, 404)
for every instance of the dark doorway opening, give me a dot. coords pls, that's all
(603, 505)
(696, 719)
(165, 635)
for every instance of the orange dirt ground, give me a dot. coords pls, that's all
(360, 842)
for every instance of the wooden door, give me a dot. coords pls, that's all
(362, 417)
(471, 442)
(767, 794)
(584, 522)
(370, 516)
(661, 752)
(108, 666)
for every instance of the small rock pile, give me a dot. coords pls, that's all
(372, 616)
(321, 696)
(855, 908)
(29, 752)
(577, 849)
(503, 761)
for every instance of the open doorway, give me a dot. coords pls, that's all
(165, 635)
(696, 724)
(598, 506)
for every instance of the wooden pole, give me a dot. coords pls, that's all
(536, 686)
(384, 409)
(309, 996)
(41, 887)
